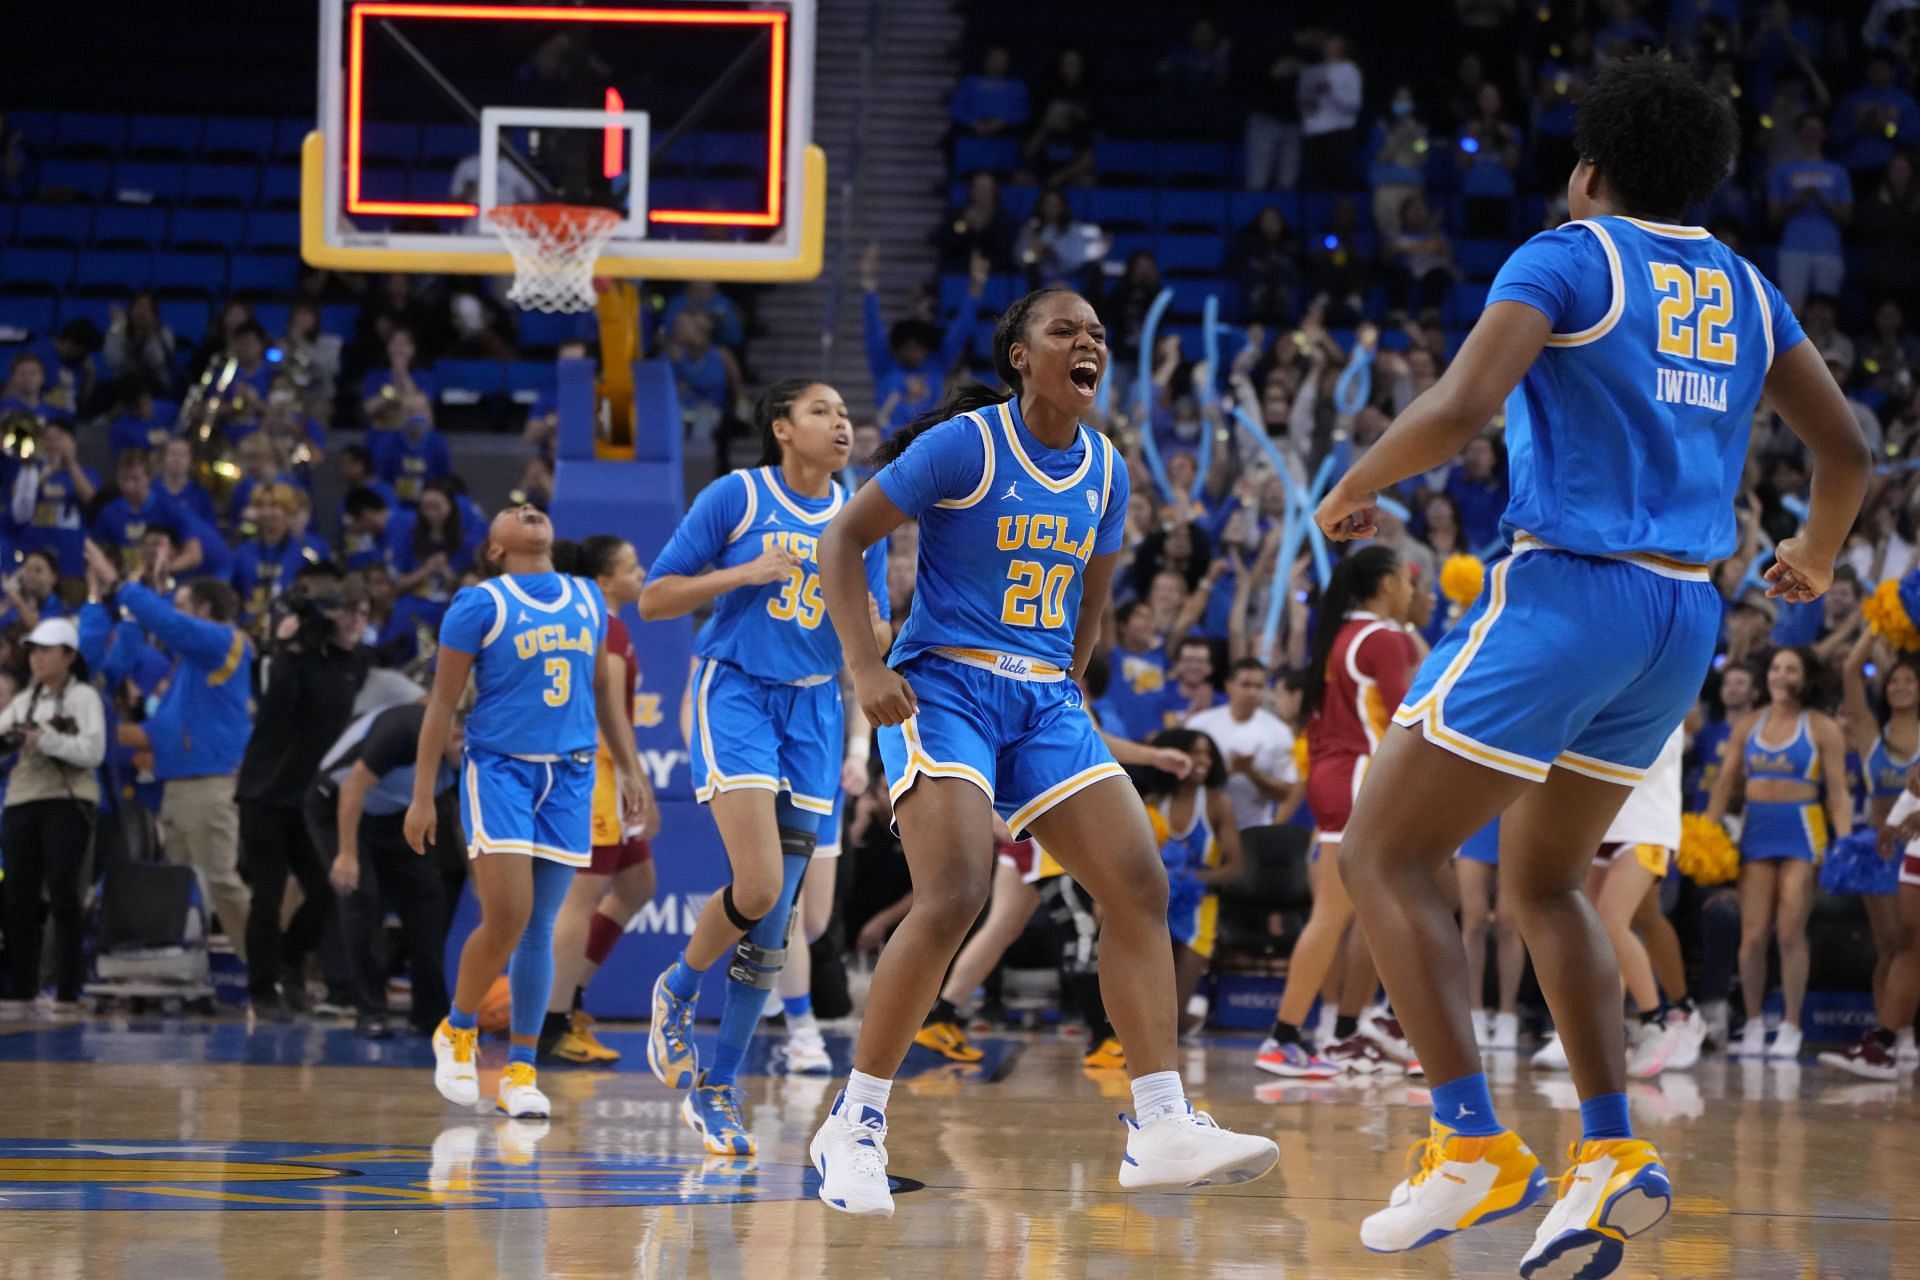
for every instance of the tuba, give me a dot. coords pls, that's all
(202, 425)
(20, 432)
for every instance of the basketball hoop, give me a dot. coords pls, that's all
(554, 247)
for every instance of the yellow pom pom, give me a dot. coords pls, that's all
(1887, 616)
(1706, 855)
(1300, 754)
(1461, 578)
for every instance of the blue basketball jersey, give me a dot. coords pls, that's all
(1007, 526)
(1629, 432)
(535, 639)
(778, 631)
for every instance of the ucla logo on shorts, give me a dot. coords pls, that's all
(1015, 666)
(469, 1167)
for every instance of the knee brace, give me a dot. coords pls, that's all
(755, 965)
(795, 843)
(739, 919)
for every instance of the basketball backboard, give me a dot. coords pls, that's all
(693, 121)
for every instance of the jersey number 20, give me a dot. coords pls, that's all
(1035, 593)
(799, 598)
(1695, 309)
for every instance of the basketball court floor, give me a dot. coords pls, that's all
(159, 1149)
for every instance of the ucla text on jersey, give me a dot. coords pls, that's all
(535, 641)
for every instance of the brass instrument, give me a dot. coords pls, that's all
(20, 433)
(202, 424)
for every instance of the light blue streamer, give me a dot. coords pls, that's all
(1143, 394)
(1358, 374)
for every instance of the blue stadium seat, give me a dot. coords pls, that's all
(446, 144)
(1120, 209)
(237, 138)
(1481, 259)
(1019, 201)
(734, 151)
(187, 317)
(384, 140)
(1190, 297)
(1127, 243)
(87, 179)
(527, 380)
(272, 316)
(36, 127)
(149, 181)
(89, 133)
(35, 270)
(98, 309)
(1197, 162)
(120, 225)
(155, 137)
(280, 187)
(25, 317)
(338, 318)
(1316, 211)
(464, 382)
(189, 275)
(288, 136)
(1192, 211)
(1117, 160)
(208, 228)
(272, 229)
(9, 217)
(1190, 254)
(995, 155)
(113, 271)
(1463, 305)
(223, 184)
(1244, 206)
(253, 274)
(539, 329)
(52, 224)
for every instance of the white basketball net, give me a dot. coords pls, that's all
(554, 247)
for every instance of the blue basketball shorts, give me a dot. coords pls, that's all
(1027, 743)
(831, 826)
(1786, 831)
(541, 808)
(1484, 845)
(1569, 661)
(1193, 915)
(752, 734)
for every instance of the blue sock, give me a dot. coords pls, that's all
(520, 1053)
(1605, 1117)
(462, 1021)
(1465, 1106)
(799, 1006)
(683, 980)
(530, 970)
(744, 1002)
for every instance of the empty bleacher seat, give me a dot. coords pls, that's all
(1125, 244)
(734, 150)
(158, 137)
(464, 382)
(52, 224)
(1244, 206)
(1197, 163)
(1189, 254)
(89, 133)
(149, 181)
(288, 137)
(996, 155)
(1019, 201)
(1316, 210)
(1190, 295)
(237, 138)
(1117, 160)
(189, 274)
(36, 127)
(387, 140)
(338, 318)
(97, 308)
(223, 184)
(187, 317)
(528, 380)
(1192, 211)
(86, 179)
(280, 187)
(539, 329)
(207, 228)
(446, 144)
(25, 317)
(123, 225)
(112, 271)
(25, 270)
(254, 274)
(1121, 210)
(272, 229)
(9, 217)
(272, 316)
(1463, 304)
(1481, 259)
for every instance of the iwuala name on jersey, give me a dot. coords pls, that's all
(1684, 386)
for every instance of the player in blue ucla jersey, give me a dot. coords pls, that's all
(533, 642)
(1635, 350)
(1021, 512)
(766, 735)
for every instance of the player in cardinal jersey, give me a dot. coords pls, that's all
(1022, 513)
(1362, 660)
(1631, 353)
(767, 729)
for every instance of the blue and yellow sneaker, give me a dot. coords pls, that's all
(1615, 1190)
(713, 1112)
(670, 1051)
(1461, 1182)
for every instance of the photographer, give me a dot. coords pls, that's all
(355, 813)
(199, 731)
(304, 692)
(58, 726)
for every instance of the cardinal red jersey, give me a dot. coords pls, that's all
(607, 833)
(1368, 672)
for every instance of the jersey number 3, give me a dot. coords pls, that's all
(1695, 310)
(799, 598)
(560, 671)
(1035, 593)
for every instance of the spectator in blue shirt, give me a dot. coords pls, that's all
(429, 554)
(1478, 484)
(1809, 199)
(907, 373)
(264, 565)
(357, 472)
(284, 417)
(199, 731)
(49, 495)
(399, 381)
(121, 526)
(253, 374)
(133, 426)
(365, 516)
(704, 374)
(176, 483)
(29, 592)
(411, 457)
(1874, 120)
(260, 464)
(71, 358)
(992, 102)
(703, 296)
(26, 380)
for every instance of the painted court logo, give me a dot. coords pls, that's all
(468, 1167)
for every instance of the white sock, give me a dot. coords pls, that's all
(864, 1090)
(1157, 1095)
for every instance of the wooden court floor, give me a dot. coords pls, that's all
(150, 1150)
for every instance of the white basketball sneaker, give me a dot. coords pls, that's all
(1652, 1049)
(520, 1095)
(807, 1049)
(1692, 1038)
(850, 1155)
(1186, 1148)
(454, 1054)
(1461, 1182)
(1786, 1044)
(1551, 1056)
(1615, 1190)
(1506, 1033)
(1753, 1040)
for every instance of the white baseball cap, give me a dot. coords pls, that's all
(54, 631)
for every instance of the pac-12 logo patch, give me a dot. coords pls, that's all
(1093, 501)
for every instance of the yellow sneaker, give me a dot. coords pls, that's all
(1108, 1053)
(520, 1096)
(578, 1043)
(1616, 1189)
(1461, 1182)
(947, 1040)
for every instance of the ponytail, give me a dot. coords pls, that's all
(1011, 328)
(775, 403)
(1355, 580)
